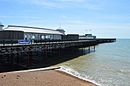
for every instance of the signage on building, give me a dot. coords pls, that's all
(24, 41)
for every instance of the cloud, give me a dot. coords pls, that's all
(88, 4)
(19, 17)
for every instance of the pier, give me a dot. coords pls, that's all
(14, 54)
(30, 47)
(22, 54)
(105, 40)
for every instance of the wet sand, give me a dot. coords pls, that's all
(41, 78)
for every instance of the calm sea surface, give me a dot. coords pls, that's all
(109, 65)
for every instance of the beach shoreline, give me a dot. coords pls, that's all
(47, 77)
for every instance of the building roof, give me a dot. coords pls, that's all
(32, 29)
(1, 24)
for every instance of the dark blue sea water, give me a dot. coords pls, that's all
(109, 65)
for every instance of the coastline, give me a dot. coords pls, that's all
(42, 77)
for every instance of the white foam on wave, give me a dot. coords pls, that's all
(76, 74)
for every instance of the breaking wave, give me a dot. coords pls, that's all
(76, 74)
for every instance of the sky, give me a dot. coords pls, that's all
(103, 18)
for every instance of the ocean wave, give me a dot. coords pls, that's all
(72, 72)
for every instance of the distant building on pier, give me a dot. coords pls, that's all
(36, 33)
(1, 26)
(70, 37)
(87, 37)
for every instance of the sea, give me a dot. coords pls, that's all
(108, 65)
